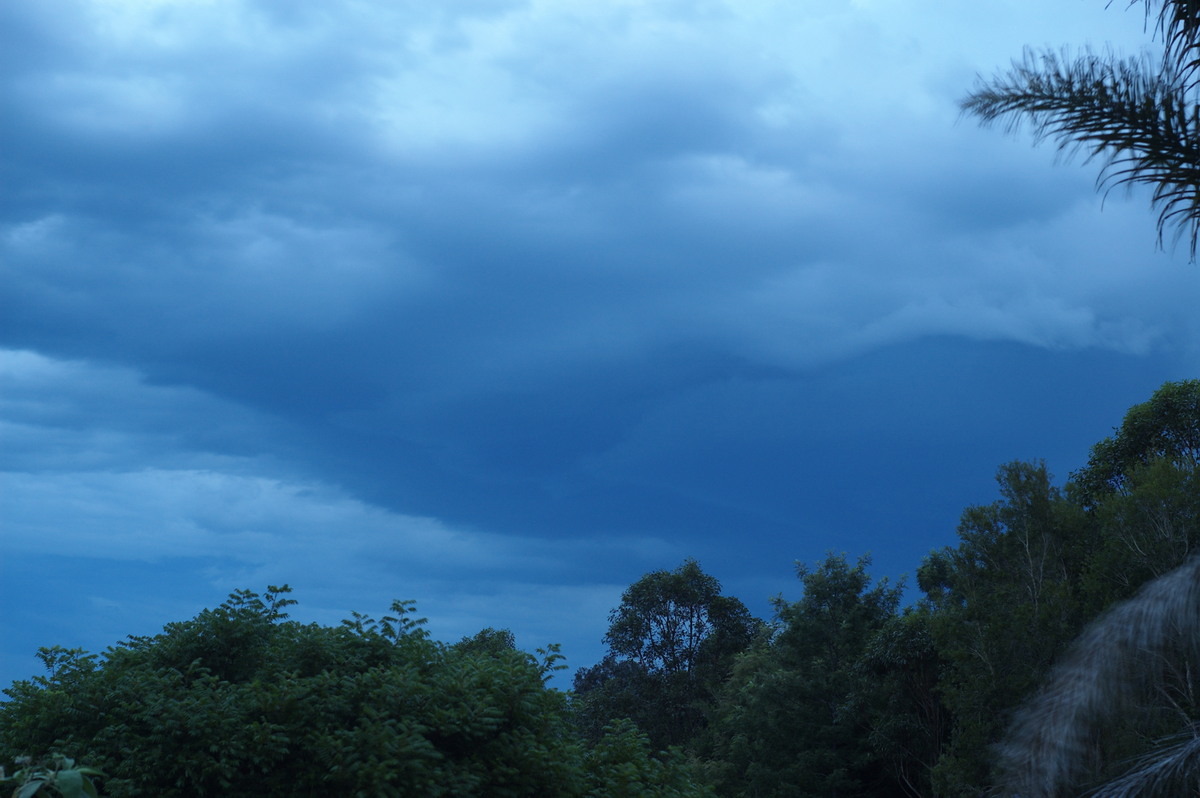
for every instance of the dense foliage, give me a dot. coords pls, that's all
(847, 693)
(242, 701)
(795, 715)
(974, 688)
(672, 643)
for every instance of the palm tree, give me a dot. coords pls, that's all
(1126, 660)
(1140, 115)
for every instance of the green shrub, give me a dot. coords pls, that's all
(241, 701)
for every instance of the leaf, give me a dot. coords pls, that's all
(69, 783)
(31, 788)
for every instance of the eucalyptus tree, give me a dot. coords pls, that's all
(672, 642)
(1165, 428)
(1003, 604)
(1142, 488)
(1140, 115)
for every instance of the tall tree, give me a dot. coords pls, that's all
(1005, 602)
(1128, 688)
(671, 643)
(1142, 488)
(903, 707)
(1164, 428)
(1140, 115)
(793, 720)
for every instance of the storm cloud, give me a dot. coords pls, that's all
(499, 306)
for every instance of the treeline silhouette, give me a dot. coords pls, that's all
(846, 693)
(1051, 652)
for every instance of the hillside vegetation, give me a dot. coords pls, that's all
(973, 688)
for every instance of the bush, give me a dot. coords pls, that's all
(239, 700)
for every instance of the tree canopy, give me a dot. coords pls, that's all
(671, 642)
(1050, 651)
(241, 701)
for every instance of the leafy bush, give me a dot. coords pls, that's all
(239, 700)
(55, 775)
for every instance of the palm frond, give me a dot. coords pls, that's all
(1135, 115)
(1178, 25)
(1050, 747)
(1170, 769)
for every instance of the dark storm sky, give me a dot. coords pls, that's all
(499, 305)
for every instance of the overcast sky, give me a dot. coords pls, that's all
(499, 305)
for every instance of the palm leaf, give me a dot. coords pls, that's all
(1051, 745)
(1140, 118)
(1170, 769)
(1178, 25)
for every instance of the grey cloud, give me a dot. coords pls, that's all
(515, 279)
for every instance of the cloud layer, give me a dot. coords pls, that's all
(500, 306)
